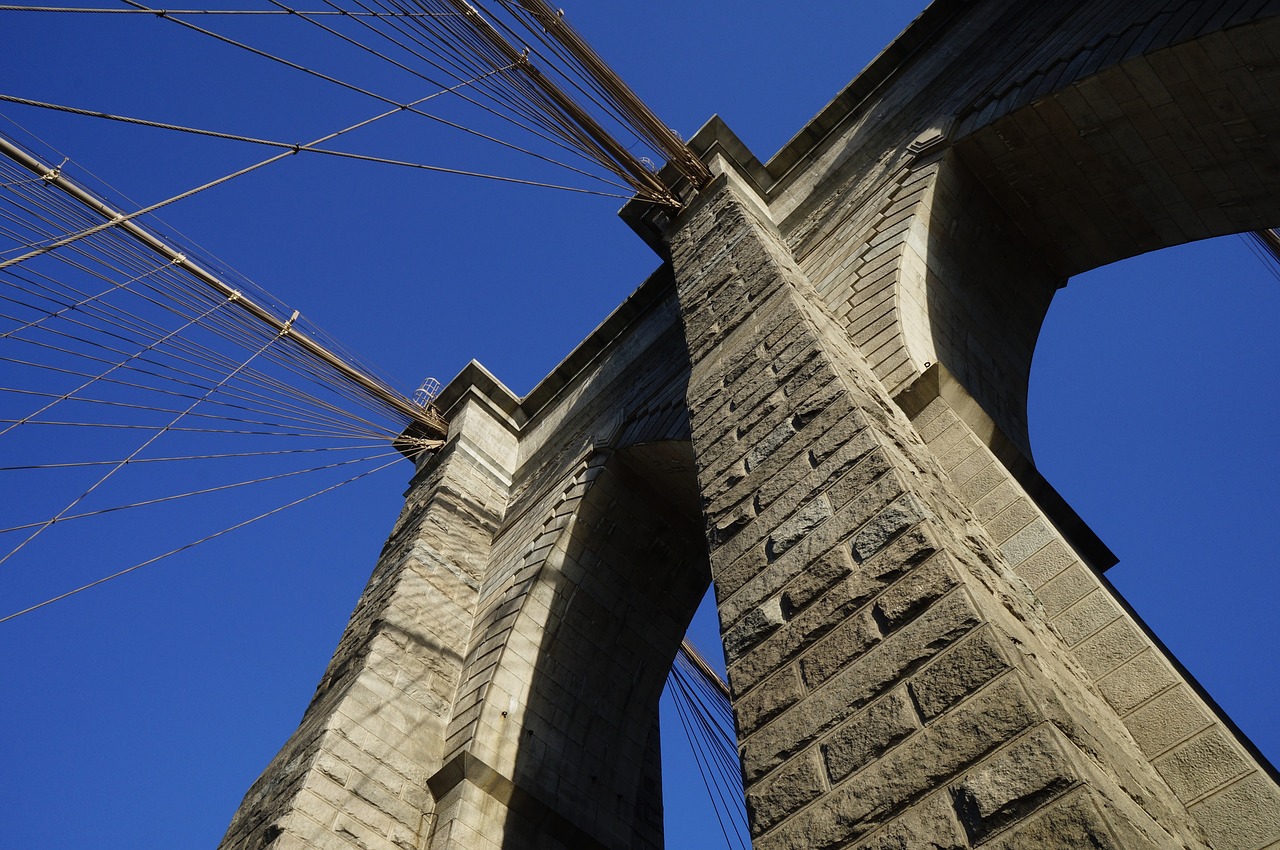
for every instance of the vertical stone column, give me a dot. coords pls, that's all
(355, 772)
(895, 683)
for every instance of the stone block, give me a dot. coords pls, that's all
(894, 519)
(753, 628)
(785, 792)
(1046, 563)
(929, 825)
(869, 735)
(1086, 617)
(958, 673)
(1031, 539)
(795, 528)
(1137, 680)
(771, 698)
(1169, 719)
(1013, 783)
(730, 522)
(1245, 814)
(1072, 822)
(815, 621)
(815, 581)
(1110, 647)
(855, 482)
(848, 641)
(909, 771)
(745, 583)
(1201, 764)
(859, 683)
(1066, 588)
(1012, 519)
(915, 592)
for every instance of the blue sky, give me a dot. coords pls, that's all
(137, 715)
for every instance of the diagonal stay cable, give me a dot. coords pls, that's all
(293, 147)
(121, 219)
(116, 366)
(93, 10)
(77, 464)
(346, 85)
(397, 64)
(139, 450)
(208, 490)
(85, 301)
(322, 426)
(195, 543)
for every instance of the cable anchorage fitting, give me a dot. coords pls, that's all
(284, 329)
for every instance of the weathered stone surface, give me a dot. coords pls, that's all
(886, 525)
(754, 628)
(1244, 814)
(785, 792)
(794, 637)
(765, 702)
(1075, 821)
(908, 771)
(955, 675)
(794, 529)
(928, 825)
(915, 592)
(1169, 719)
(1201, 764)
(869, 735)
(847, 642)
(811, 584)
(1014, 783)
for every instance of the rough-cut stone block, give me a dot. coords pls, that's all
(846, 642)
(1075, 821)
(785, 792)
(915, 592)
(762, 447)
(889, 523)
(858, 684)
(859, 478)
(815, 581)
(929, 825)
(831, 610)
(1014, 782)
(964, 669)
(771, 698)
(729, 523)
(753, 628)
(901, 652)
(800, 524)
(869, 735)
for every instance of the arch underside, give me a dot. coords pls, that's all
(1080, 149)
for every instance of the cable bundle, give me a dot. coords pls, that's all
(702, 704)
(121, 356)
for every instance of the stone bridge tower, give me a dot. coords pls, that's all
(817, 404)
